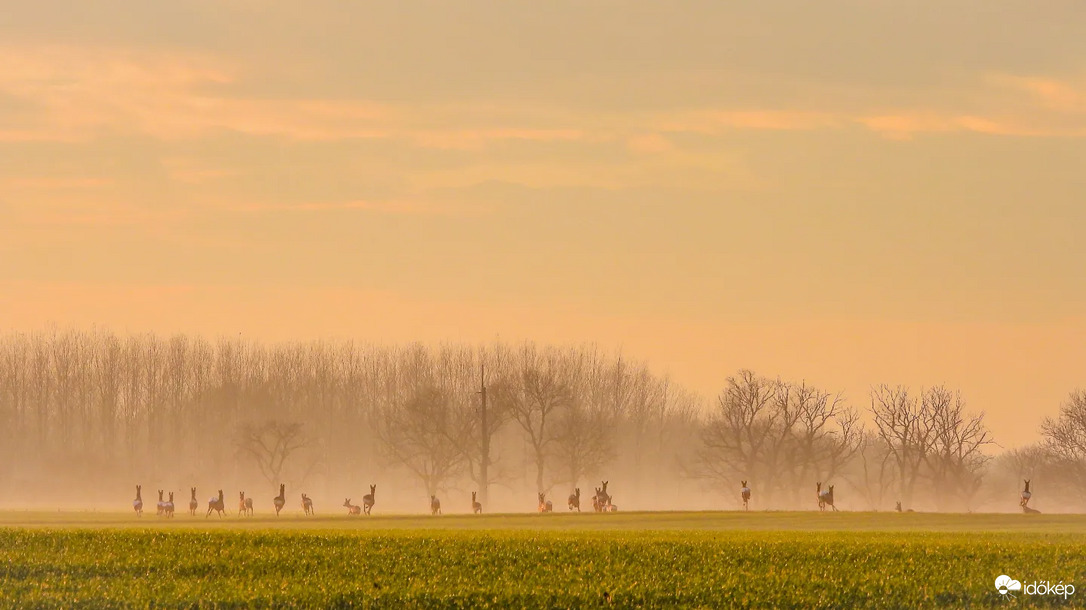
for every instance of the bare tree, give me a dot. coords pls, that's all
(271, 444)
(735, 438)
(932, 437)
(899, 420)
(1065, 439)
(583, 440)
(534, 394)
(955, 459)
(422, 435)
(874, 478)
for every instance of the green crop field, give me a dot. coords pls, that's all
(710, 560)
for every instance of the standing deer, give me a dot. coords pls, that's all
(369, 500)
(168, 507)
(545, 505)
(281, 499)
(160, 505)
(435, 505)
(596, 501)
(575, 499)
(1026, 495)
(137, 504)
(307, 505)
(216, 504)
(476, 507)
(604, 497)
(245, 505)
(745, 491)
(825, 497)
(351, 508)
(192, 503)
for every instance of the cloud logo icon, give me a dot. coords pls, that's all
(1005, 583)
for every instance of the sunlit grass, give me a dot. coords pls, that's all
(669, 559)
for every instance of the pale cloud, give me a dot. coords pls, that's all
(54, 182)
(402, 207)
(93, 212)
(905, 125)
(1061, 95)
(478, 139)
(649, 143)
(79, 93)
(713, 120)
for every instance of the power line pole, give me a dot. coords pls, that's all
(484, 463)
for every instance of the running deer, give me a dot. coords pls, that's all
(745, 491)
(161, 506)
(216, 504)
(137, 504)
(545, 505)
(368, 500)
(307, 505)
(575, 499)
(245, 505)
(825, 497)
(168, 507)
(435, 505)
(1026, 495)
(351, 508)
(192, 503)
(281, 499)
(476, 507)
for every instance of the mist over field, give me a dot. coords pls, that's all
(89, 415)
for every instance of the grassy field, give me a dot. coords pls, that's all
(845, 560)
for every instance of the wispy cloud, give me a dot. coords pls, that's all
(393, 207)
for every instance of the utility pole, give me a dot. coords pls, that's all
(484, 463)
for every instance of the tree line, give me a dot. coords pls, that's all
(99, 410)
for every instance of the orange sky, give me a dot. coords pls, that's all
(851, 193)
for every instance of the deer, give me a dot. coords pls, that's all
(192, 503)
(825, 497)
(476, 507)
(745, 492)
(1026, 495)
(168, 507)
(596, 501)
(435, 505)
(351, 508)
(545, 505)
(603, 499)
(245, 505)
(161, 506)
(575, 499)
(611, 506)
(216, 504)
(281, 499)
(368, 500)
(137, 504)
(307, 505)
(898, 508)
